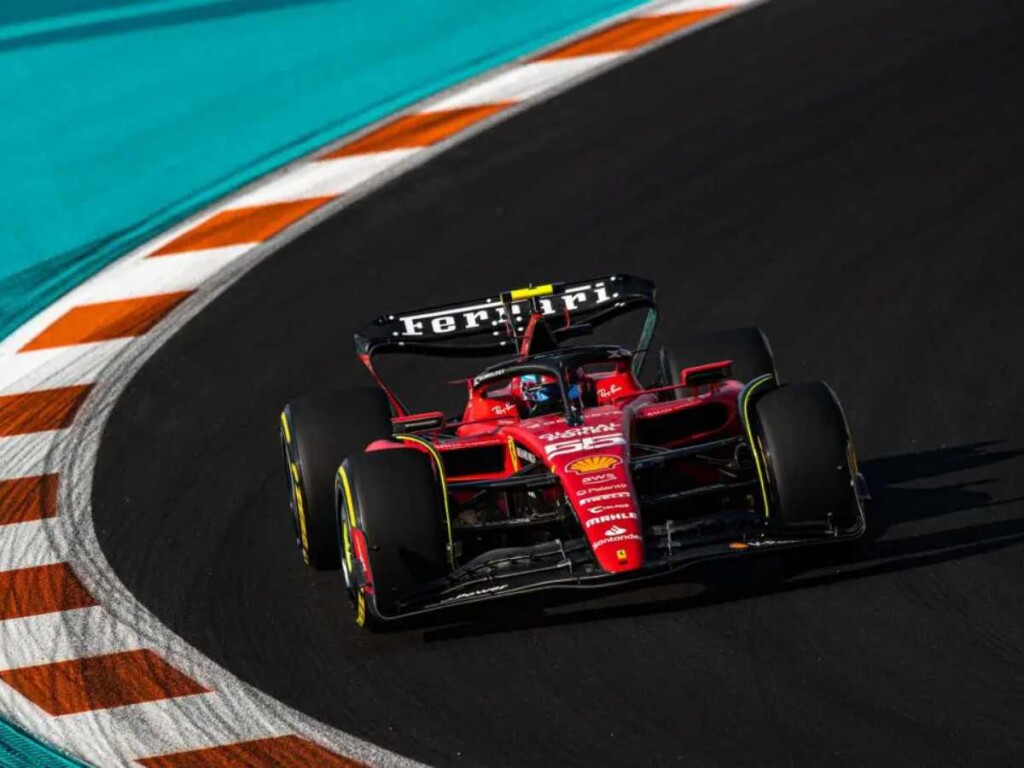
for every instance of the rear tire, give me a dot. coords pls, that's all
(748, 349)
(317, 433)
(396, 505)
(807, 453)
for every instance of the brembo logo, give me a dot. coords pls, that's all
(491, 313)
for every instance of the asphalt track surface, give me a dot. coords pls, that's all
(846, 175)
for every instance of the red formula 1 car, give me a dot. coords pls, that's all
(563, 470)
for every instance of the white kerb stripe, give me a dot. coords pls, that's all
(115, 737)
(63, 636)
(130, 278)
(25, 455)
(30, 544)
(160, 274)
(524, 82)
(58, 367)
(324, 178)
(683, 6)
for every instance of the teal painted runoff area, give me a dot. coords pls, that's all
(19, 750)
(120, 117)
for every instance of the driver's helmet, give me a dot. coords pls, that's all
(541, 393)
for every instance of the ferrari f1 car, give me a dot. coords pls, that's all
(564, 469)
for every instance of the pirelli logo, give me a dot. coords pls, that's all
(482, 316)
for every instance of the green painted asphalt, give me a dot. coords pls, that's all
(20, 750)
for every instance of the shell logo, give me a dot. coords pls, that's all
(599, 463)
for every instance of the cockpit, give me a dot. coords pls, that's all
(563, 382)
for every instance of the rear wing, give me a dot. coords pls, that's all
(497, 323)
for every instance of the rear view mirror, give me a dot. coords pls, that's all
(700, 375)
(417, 422)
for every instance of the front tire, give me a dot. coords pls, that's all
(808, 458)
(317, 433)
(392, 516)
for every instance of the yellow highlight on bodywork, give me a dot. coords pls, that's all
(512, 454)
(444, 488)
(528, 293)
(284, 428)
(754, 449)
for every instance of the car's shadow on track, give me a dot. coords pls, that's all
(906, 530)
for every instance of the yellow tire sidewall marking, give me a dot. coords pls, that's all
(754, 446)
(346, 532)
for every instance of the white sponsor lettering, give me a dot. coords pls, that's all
(473, 319)
(607, 393)
(604, 477)
(442, 324)
(503, 410)
(613, 539)
(484, 315)
(583, 444)
(525, 455)
(602, 489)
(610, 518)
(608, 508)
(475, 593)
(615, 531)
(596, 429)
(605, 497)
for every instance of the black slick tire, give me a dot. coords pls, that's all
(807, 454)
(317, 433)
(393, 499)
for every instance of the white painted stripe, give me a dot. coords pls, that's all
(26, 545)
(324, 178)
(682, 6)
(524, 82)
(59, 367)
(145, 277)
(62, 636)
(130, 278)
(25, 455)
(113, 737)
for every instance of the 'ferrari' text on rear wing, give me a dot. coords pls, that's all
(494, 323)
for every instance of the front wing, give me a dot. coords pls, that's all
(570, 565)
